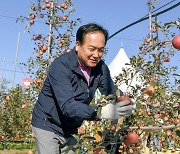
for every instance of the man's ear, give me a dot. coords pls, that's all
(77, 45)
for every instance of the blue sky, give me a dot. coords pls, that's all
(112, 14)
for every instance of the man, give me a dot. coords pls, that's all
(70, 85)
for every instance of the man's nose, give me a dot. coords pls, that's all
(96, 53)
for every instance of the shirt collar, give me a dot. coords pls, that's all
(82, 65)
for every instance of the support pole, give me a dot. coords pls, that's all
(50, 32)
(2, 76)
(15, 62)
(150, 20)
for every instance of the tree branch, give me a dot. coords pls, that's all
(155, 127)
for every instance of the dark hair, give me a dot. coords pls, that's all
(91, 27)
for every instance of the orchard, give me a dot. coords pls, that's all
(154, 125)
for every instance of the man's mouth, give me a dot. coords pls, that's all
(93, 60)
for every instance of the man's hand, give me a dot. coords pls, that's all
(116, 110)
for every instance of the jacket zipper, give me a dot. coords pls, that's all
(88, 92)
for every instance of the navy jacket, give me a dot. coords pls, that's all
(63, 102)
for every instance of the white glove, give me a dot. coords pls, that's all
(116, 110)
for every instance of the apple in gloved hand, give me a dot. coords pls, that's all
(115, 110)
(124, 98)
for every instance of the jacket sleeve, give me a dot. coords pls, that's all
(60, 81)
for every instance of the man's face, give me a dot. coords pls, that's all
(92, 49)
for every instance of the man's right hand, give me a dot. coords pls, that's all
(116, 110)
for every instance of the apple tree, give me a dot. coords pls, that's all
(16, 114)
(156, 96)
(50, 41)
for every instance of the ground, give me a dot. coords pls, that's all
(16, 152)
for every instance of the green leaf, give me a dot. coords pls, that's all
(178, 132)
(77, 151)
(176, 74)
(99, 133)
(154, 83)
(179, 88)
(176, 93)
(88, 137)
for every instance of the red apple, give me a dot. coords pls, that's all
(59, 6)
(64, 18)
(131, 138)
(62, 41)
(34, 38)
(30, 152)
(41, 52)
(176, 42)
(124, 98)
(131, 150)
(2, 137)
(150, 90)
(154, 29)
(113, 128)
(43, 7)
(31, 21)
(41, 44)
(166, 59)
(166, 118)
(144, 68)
(48, 5)
(60, 45)
(24, 104)
(57, 36)
(33, 16)
(44, 48)
(8, 98)
(164, 45)
(156, 116)
(34, 8)
(168, 132)
(98, 151)
(63, 5)
(148, 39)
(81, 131)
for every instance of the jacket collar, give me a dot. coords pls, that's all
(75, 66)
(74, 60)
